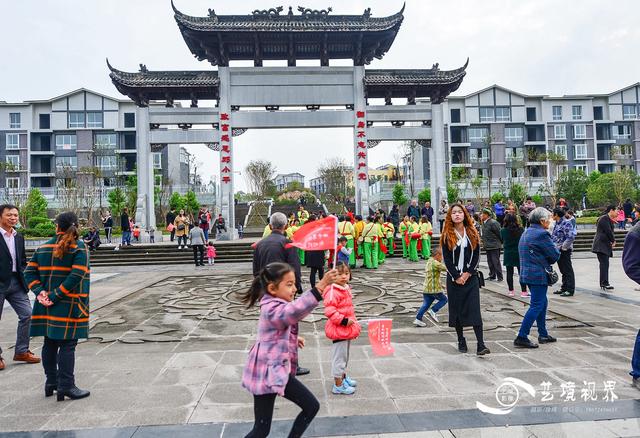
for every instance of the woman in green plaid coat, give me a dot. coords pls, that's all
(58, 274)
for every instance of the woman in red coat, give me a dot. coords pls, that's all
(341, 328)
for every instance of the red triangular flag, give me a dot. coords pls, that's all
(380, 336)
(317, 235)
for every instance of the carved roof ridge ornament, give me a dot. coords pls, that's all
(270, 13)
(315, 13)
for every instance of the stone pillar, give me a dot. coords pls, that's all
(227, 176)
(145, 205)
(361, 152)
(437, 160)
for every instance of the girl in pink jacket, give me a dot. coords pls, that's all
(272, 362)
(341, 328)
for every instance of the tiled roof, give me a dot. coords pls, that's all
(288, 22)
(431, 76)
(165, 79)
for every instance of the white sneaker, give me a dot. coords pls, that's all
(179, 247)
(419, 323)
(433, 315)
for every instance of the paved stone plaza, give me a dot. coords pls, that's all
(168, 346)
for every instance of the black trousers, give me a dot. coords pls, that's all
(182, 239)
(566, 269)
(173, 234)
(58, 361)
(295, 392)
(312, 277)
(198, 249)
(493, 259)
(603, 259)
(510, 270)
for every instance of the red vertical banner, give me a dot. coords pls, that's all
(226, 172)
(362, 170)
(380, 336)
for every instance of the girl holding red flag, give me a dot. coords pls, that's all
(341, 327)
(271, 366)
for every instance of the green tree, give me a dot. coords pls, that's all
(191, 204)
(497, 197)
(117, 201)
(517, 193)
(131, 194)
(36, 205)
(424, 195)
(623, 185)
(572, 185)
(399, 198)
(176, 202)
(453, 191)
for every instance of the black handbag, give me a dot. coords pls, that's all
(552, 276)
(481, 281)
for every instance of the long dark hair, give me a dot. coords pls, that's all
(273, 273)
(68, 227)
(511, 224)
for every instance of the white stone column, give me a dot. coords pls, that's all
(360, 150)
(145, 205)
(437, 159)
(227, 175)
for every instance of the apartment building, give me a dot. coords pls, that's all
(80, 138)
(282, 180)
(498, 133)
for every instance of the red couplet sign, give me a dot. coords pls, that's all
(380, 336)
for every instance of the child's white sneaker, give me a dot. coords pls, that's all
(419, 323)
(349, 381)
(433, 315)
(343, 389)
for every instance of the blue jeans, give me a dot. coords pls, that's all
(635, 359)
(206, 233)
(428, 299)
(126, 237)
(537, 311)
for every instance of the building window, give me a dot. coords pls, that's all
(45, 121)
(561, 149)
(576, 112)
(580, 131)
(76, 120)
(94, 120)
(503, 114)
(478, 134)
(13, 162)
(582, 167)
(486, 114)
(478, 155)
(14, 120)
(13, 182)
(562, 168)
(579, 151)
(130, 120)
(105, 141)
(106, 162)
(66, 162)
(629, 112)
(514, 153)
(559, 132)
(67, 141)
(557, 112)
(531, 114)
(513, 134)
(620, 132)
(598, 113)
(13, 141)
(157, 160)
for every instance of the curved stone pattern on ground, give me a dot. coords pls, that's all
(200, 307)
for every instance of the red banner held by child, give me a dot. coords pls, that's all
(317, 235)
(380, 336)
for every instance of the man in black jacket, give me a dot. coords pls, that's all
(171, 216)
(273, 248)
(13, 289)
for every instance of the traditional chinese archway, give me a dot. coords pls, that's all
(239, 91)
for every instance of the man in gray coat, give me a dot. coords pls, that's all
(196, 236)
(492, 244)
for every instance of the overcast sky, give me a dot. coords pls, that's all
(50, 47)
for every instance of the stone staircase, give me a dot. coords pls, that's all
(239, 251)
